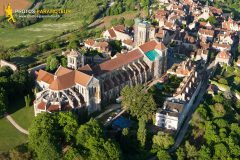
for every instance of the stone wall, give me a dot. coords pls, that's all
(5, 63)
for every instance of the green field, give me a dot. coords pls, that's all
(37, 32)
(9, 136)
(80, 11)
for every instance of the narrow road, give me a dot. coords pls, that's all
(111, 108)
(12, 121)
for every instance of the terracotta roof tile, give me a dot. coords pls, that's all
(41, 105)
(206, 32)
(119, 28)
(118, 62)
(224, 55)
(53, 108)
(86, 69)
(151, 45)
(62, 70)
(90, 42)
(63, 81)
(112, 33)
(45, 77)
(82, 78)
(128, 42)
(69, 79)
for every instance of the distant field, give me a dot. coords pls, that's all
(106, 21)
(9, 136)
(81, 10)
(37, 32)
(15, 4)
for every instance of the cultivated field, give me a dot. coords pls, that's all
(37, 32)
(15, 4)
(106, 21)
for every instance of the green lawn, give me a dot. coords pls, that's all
(21, 114)
(38, 32)
(9, 136)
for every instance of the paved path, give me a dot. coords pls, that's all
(111, 108)
(12, 121)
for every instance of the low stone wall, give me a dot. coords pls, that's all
(5, 63)
(41, 66)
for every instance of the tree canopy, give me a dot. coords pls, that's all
(138, 102)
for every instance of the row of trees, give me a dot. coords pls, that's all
(54, 61)
(121, 6)
(13, 85)
(56, 136)
(215, 131)
(141, 105)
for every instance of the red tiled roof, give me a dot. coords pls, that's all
(68, 79)
(112, 33)
(206, 32)
(226, 46)
(224, 55)
(86, 69)
(45, 77)
(62, 70)
(41, 105)
(151, 45)
(128, 42)
(53, 108)
(118, 62)
(119, 28)
(90, 42)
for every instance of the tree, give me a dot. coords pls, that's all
(44, 138)
(162, 140)
(73, 44)
(138, 102)
(20, 152)
(181, 155)
(3, 102)
(204, 153)
(218, 110)
(213, 20)
(88, 130)
(68, 121)
(54, 64)
(163, 155)
(142, 132)
(191, 151)
(210, 132)
(112, 150)
(125, 132)
(129, 22)
(22, 83)
(27, 100)
(90, 136)
(33, 48)
(121, 20)
(145, 3)
(116, 46)
(5, 71)
(114, 22)
(72, 154)
(64, 61)
(221, 151)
